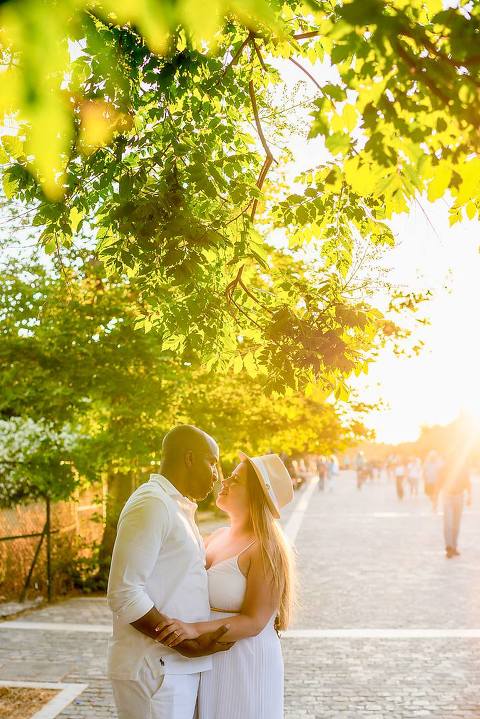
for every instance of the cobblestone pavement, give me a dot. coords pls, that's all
(366, 561)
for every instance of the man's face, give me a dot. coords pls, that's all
(204, 470)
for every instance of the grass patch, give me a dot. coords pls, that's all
(23, 702)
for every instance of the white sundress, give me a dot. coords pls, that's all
(245, 682)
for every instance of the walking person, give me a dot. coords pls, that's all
(399, 472)
(157, 570)
(414, 473)
(251, 585)
(360, 469)
(455, 484)
(332, 471)
(322, 472)
(431, 475)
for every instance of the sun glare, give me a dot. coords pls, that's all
(471, 407)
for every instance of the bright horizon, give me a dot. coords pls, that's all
(444, 379)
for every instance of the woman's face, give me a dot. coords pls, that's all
(233, 496)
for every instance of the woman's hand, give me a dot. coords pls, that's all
(176, 631)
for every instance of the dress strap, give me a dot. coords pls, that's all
(245, 548)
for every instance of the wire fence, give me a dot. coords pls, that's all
(76, 527)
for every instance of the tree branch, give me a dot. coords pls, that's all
(269, 158)
(307, 73)
(471, 61)
(421, 76)
(260, 181)
(253, 100)
(242, 212)
(305, 35)
(236, 57)
(252, 296)
(230, 290)
(232, 286)
(259, 55)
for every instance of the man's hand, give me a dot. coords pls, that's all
(205, 644)
(151, 623)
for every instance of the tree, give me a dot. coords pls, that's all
(151, 152)
(70, 356)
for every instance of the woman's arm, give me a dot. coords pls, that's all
(258, 606)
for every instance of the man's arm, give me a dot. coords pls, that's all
(151, 623)
(206, 644)
(259, 605)
(140, 535)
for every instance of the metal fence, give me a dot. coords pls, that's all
(40, 543)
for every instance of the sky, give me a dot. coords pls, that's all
(444, 380)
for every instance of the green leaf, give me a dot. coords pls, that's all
(10, 185)
(341, 52)
(471, 210)
(338, 143)
(237, 364)
(440, 182)
(75, 218)
(335, 92)
(250, 365)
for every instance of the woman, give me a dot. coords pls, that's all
(250, 576)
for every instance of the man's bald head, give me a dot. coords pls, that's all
(183, 438)
(189, 459)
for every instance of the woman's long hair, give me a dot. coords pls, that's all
(276, 552)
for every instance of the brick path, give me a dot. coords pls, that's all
(365, 562)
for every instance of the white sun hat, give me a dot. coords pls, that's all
(274, 480)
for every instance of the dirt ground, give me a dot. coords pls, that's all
(22, 702)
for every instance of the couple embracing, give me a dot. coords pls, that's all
(195, 625)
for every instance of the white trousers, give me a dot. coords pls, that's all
(165, 696)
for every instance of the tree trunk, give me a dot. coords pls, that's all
(120, 485)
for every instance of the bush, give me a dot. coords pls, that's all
(34, 461)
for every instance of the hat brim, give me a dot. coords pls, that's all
(270, 502)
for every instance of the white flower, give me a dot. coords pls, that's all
(29, 450)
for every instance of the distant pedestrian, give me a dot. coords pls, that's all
(399, 473)
(414, 473)
(455, 483)
(332, 471)
(360, 467)
(322, 472)
(431, 475)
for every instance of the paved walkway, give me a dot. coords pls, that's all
(374, 584)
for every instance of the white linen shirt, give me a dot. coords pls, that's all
(158, 560)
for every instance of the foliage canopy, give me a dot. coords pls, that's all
(80, 384)
(150, 127)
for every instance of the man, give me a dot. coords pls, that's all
(455, 483)
(157, 571)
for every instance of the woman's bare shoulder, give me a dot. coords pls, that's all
(214, 534)
(252, 555)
